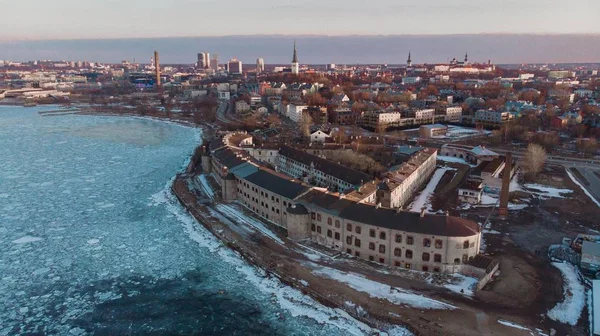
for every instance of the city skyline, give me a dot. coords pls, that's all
(145, 19)
(278, 49)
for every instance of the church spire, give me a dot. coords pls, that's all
(409, 61)
(295, 59)
(466, 58)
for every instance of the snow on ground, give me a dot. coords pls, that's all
(375, 289)
(208, 190)
(464, 283)
(488, 200)
(27, 239)
(569, 310)
(423, 198)
(547, 191)
(512, 325)
(582, 187)
(237, 215)
(453, 159)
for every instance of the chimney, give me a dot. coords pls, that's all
(422, 212)
(157, 68)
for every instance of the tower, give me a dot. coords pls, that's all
(466, 59)
(203, 60)
(157, 68)
(295, 64)
(408, 61)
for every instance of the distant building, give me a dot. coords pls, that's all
(492, 118)
(319, 137)
(241, 106)
(430, 131)
(260, 65)
(295, 64)
(203, 60)
(471, 191)
(234, 66)
(214, 62)
(411, 80)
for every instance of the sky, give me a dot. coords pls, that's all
(92, 19)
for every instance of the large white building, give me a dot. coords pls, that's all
(294, 111)
(492, 118)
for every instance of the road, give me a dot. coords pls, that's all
(222, 111)
(594, 181)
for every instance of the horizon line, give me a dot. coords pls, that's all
(2, 40)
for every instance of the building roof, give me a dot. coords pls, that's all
(435, 225)
(484, 262)
(297, 209)
(277, 184)
(343, 173)
(590, 248)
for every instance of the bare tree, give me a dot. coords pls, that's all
(305, 123)
(535, 158)
(587, 146)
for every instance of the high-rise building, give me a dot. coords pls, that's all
(234, 66)
(203, 60)
(214, 62)
(295, 64)
(260, 65)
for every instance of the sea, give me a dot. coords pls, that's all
(92, 241)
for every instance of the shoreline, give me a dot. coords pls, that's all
(181, 192)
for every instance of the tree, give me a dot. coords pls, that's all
(305, 123)
(535, 157)
(587, 146)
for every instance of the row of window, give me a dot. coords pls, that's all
(438, 243)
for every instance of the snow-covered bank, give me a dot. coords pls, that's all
(237, 215)
(424, 197)
(582, 187)
(569, 310)
(289, 299)
(208, 190)
(378, 290)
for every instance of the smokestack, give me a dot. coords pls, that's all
(503, 209)
(157, 66)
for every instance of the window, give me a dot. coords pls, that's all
(285, 203)
(397, 263)
(337, 235)
(277, 200)
(381, 260)
(273, 209)
(398, 238)
(410, 240)
(372, 233)
(457, 261)
(262, 194)
(349, 227)
(426, 256)
(312, 215)
(318, 229)
(349, 251)
(381, 235)
(372, 246)
(426, 242)
(437, 258)
(313, 227)
(349, 240)
(358, 229)
(277, 210)
(371, 258)
(436, 269)
(357, 242)
(398, 252)
(329, 233)
(318, 217)
(465, 258)
(329, 220)
(381, 248)
(357, 254)
(425, 269)
(408, 254)
(337, 224)
(466, 244)
(438, 243)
